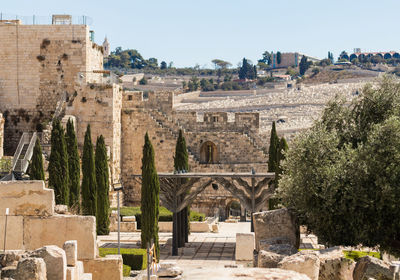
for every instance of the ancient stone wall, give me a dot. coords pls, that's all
(1, 135)
(40, 65)
(100, 106)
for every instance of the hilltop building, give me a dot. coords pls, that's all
(291, 59)
(106, 47)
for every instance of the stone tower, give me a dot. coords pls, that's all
(106, 47)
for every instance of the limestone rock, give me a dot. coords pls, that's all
(12, 257)
(31, 269)
(55, 259)
(370, 267)
(268, 259)
(334, 266)
(276, 224)
(8, 272)
(71, 251)
(307, 263)
(282, 249)
(169, 272)
(61, 209)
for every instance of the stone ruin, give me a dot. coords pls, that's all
(40, 241)
(275, 243)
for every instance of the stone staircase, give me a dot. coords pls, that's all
(166, 124)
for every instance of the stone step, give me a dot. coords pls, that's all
(86, 276)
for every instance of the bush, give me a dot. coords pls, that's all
(136, 259)
(126, 270)
(356, 255)
(165, 214)
(196, 216)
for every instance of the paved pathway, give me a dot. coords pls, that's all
(204, 250)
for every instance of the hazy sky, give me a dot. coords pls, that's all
(195, 32)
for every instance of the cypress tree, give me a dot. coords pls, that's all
(278, 58)
(283, 147)
(88, 177)
(102, 176)
(58, 165)
(73, 166)
(36, 171)
(181, 162)
(273, 150)
(150, 200)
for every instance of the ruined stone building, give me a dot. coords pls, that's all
(49, 71)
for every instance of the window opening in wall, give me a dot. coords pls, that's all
(208, 153)
(215, 119)
(130, 97)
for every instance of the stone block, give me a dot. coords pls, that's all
(72, 273)
(71, 251)
(282, 249)
(26, 198)
(88, 276)
(268, 259)
(125, 227)
(58, 229)
(370, 267)
(55, 259)
(61, 209)
(334, 266)
(169, 272)
(244, 246)
(129, 219)
(108, 268)
(199, 227)
(79, 269)
(215, 228)
(31, 269)
(15, 233)
(307, 263)
(276, 224)
(165, 226)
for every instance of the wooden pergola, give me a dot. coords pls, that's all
(178, 190)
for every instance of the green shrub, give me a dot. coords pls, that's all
(356, 255)
(165, 214)
(196, 216)
(126, 270)
(135, 258)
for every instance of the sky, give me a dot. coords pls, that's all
(189, 32)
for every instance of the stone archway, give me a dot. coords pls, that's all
(209, 153)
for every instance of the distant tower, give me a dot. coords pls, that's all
(106, 47)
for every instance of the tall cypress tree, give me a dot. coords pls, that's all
(181, 162)
(58, 165)
(74, 168)
(150, 199)
(36, 170)
(103, 203)
(273, 149)
(88, 177)
(283, 147)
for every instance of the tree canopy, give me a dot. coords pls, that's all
(342, 176)
(247, 70)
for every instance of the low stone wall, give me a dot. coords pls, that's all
(32, 224)
(194, 227)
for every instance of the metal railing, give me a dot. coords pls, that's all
(28, 155)
(44, 20)
(23, 141)
(21, 164)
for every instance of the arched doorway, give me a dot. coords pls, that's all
(208, 153)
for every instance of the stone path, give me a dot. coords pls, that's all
(203, 249)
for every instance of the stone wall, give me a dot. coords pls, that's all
(1, 134)
(40, 65)
(32, 223)
(236, 154)
(100, 106)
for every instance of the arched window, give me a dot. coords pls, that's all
(208, 153)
